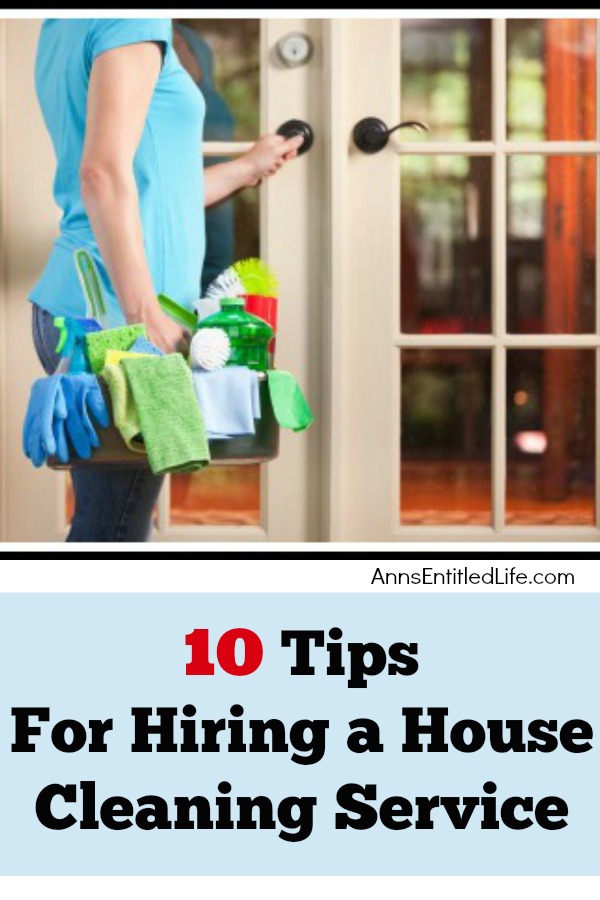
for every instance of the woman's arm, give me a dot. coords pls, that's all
(265, 158)
(121, 85)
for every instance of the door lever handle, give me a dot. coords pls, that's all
(371, 135)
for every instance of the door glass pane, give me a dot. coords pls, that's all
(551, 79)
(446, 78)
(445, 437)
(551, 258)
(223, 495)
(551, 437)
(222, 56)
(446, 265)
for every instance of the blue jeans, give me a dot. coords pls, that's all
(110, 504)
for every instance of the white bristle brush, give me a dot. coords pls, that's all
(210, 349)
(227, 284)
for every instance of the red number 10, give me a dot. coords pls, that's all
(200, 663)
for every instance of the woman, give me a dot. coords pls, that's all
(126, 123)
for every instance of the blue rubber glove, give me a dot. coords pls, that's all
(83, 396)
(63, 453)
(46, 404)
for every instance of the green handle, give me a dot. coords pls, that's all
(90, 282)
(59, 322)
(179, 313)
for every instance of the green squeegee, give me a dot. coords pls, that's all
(92, 286)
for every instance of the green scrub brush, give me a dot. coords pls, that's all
(247, 276)
(210, 349)
(257, 277)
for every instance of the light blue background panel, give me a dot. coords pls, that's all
(484, 657)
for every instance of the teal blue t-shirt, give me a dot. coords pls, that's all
(167, 165)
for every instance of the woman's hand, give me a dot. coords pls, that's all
(162, 331)
(268, 155)
(265, 158)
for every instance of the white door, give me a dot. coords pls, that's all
(251, 92)
(465, 342)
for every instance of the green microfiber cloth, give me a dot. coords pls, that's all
(123, 408)
(168, 412)
(110, 339)
(289, 403)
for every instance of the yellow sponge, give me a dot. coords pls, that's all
(114, 357)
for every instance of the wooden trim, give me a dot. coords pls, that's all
(513, 533)
(511, 341)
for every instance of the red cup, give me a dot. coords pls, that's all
(265, 308)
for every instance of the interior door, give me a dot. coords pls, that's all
(465, 320)
(248, 91)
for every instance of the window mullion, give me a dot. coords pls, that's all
(499, 238)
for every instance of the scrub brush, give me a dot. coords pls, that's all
(210, 349)
(257, 277)
(227, 284)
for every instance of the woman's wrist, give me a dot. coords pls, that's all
(139, 311)
(244, 172)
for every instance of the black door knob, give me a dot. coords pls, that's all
(371, 135)
(293, 128)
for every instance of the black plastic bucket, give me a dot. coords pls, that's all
(236, 451)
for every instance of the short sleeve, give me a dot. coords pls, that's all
(108, 34)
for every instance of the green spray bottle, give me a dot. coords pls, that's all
(249, 336)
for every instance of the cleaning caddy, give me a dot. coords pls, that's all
(116, 400)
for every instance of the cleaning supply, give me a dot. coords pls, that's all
(114, 357)
(251, 279)
(62, 452)
(261, 289)
(210, 349)
(206, 306)
(249, 335)
(265, 308)
(98, 343)
(60, 406)
(84, 399)
(91, 284)
(256, 277)
(290, 406)
(227, 284)
(46, 406)
(124, 412)
(177, 312)
(72, 347)
(169, 416)
(229, 399)
(71, 343)
(142, 345)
